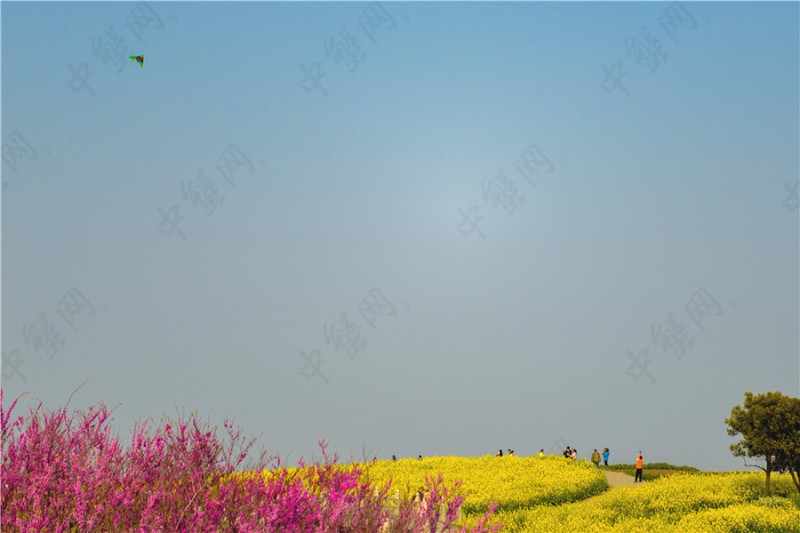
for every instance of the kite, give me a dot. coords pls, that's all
(138, 59)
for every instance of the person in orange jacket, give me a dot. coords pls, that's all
(639, 465)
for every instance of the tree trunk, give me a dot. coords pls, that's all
(766, 489)
(794, 471)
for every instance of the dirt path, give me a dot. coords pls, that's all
(618, 479)
(615, 479)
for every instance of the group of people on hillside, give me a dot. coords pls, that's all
(596, 457)
(569, 453)
(572, 453)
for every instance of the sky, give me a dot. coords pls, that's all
(405, 228)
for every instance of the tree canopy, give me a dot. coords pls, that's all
(769, 424)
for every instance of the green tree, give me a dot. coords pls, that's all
(770, 428)
(788, 457)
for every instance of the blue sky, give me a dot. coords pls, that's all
(667, 204)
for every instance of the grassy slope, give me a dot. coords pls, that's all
(651, 471)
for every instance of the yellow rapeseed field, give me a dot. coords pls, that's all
(511, 482)
(546, 495)
(723, 502)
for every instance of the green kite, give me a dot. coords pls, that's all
(138, 59)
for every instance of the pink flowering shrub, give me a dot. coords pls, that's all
(65, 472)
(438, 512)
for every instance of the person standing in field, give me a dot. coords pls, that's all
(596, 458)
(606, 453)
(568, 453)
(541, 453)
(639, 464)
(499, 453)
(574, 455)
